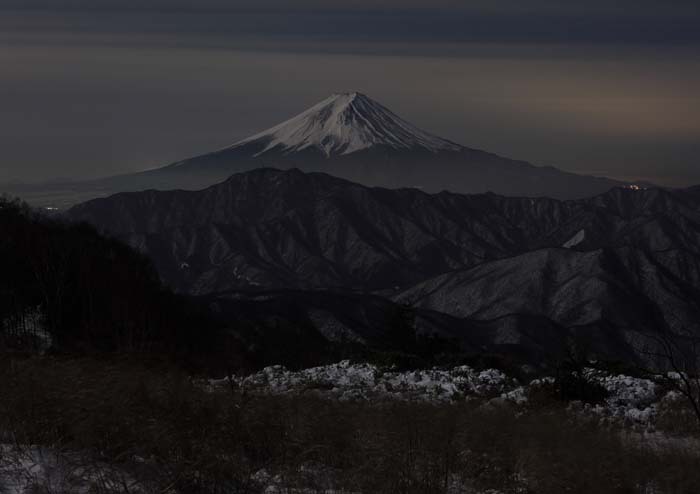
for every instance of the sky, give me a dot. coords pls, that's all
(102, 87)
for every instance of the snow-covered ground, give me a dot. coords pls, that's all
(35, 469)
(346, 381)
(28, 327)
(632, 400)
(575, 240)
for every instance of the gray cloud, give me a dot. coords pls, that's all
(543, 22)
(656, 6)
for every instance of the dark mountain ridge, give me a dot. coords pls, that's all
(494, 272)
(288, 229)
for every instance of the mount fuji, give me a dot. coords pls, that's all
(351, 136)
(343, 124)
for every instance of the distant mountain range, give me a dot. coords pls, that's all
(327, 226)
(605, 268)
(351, 136)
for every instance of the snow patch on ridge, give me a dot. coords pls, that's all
(575, 240)
(343, 124)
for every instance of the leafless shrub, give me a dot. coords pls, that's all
(677, 364)
(156, 428)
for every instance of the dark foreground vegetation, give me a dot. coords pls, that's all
(92, 292)
(97, 360)
(70, 290)
(165, 433)
(66, 287)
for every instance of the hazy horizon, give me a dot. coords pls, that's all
(101, 88)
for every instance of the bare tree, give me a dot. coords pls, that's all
(676, 356)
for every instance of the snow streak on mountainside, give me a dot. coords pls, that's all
(343, 124)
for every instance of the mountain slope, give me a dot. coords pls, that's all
(625, 287)
(613, 302)
(351, 136)
(495, 272)
(287, 229)
(292, 321)
(344, 124)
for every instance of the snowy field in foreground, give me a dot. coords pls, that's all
(631, 399)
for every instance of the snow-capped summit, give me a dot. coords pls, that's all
(351, 136)
(343, 124)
